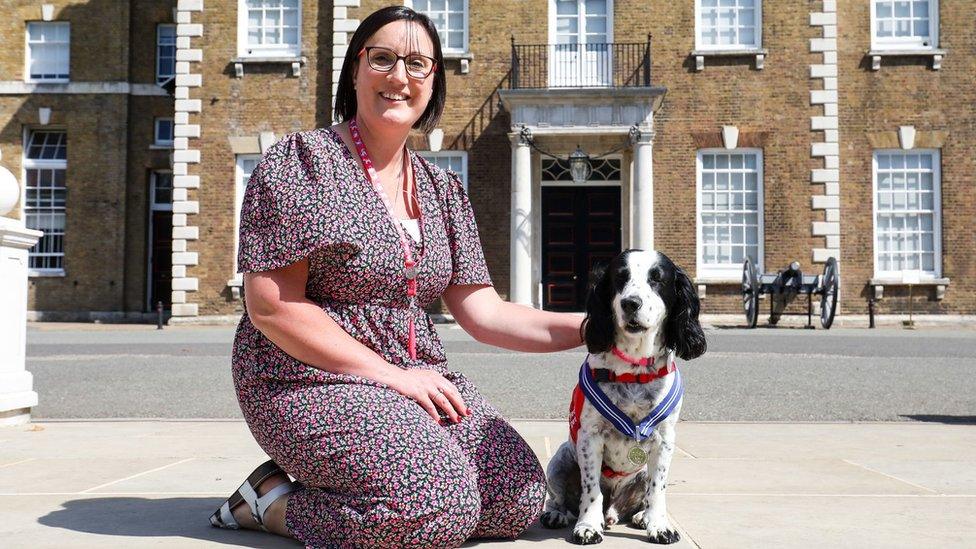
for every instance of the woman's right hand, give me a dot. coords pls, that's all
(431, 391)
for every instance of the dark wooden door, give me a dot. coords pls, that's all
(580, 228)
(161, 260)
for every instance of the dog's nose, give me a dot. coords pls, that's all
(630, 304)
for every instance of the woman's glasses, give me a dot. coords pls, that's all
(384, 59)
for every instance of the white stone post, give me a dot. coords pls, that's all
(521, 234)
(643, 185)
(16, 383)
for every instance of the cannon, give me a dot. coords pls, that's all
(783, 286)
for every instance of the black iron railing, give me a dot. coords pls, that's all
(601, 65)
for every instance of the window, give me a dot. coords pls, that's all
(45, 164)
(907, 212)
(730, 211)
(904, 24)
(163, 131)
(269, 28)
(242, 174)
(451, 19)
(165, 53)
(729, 24)
(161, 197)
(450, 160)
(48, 52)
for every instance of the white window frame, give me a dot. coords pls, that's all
(163, 78)
(239, 188)
(909, 42)
(163, 142)
(28, 53)
(757, 35)
(728, 272)
(463, 155)
(43, 164)
(465, 48)
(586, 67)
(936, 214)
(246, 51)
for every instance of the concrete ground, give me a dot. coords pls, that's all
(154, 483)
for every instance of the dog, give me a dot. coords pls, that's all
(641, 312)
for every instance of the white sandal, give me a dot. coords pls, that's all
(247, 493)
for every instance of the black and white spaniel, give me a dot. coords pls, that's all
(642, 312)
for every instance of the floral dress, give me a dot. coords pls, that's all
(375, 469)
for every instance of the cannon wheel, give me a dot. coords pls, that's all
(828, 292)
(750, 293)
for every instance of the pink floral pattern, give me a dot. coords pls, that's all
(375, 470)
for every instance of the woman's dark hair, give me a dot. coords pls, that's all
(345, 106)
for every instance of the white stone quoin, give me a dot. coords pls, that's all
(17, 395)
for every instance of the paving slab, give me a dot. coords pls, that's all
(154, 483)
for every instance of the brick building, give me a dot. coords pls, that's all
(716, 129)
(87, 128)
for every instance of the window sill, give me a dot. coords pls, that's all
(879, 284)
(877, 53)
(46, 273)
(759, 53)
(295, 61)
(464, 58)
(160, 147)
(703, 282)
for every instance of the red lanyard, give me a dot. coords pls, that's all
(409, 265)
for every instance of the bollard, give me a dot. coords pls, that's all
(871, 313)
(159, 315)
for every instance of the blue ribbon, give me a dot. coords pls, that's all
(620, 420)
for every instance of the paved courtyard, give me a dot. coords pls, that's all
(789, 438)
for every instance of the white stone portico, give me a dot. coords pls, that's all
(557, 120)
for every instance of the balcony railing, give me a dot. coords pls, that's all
(599, 65)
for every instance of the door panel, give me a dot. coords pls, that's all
(580, 228)
(161, 262)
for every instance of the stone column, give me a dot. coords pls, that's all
(642, 142)
(520, 281)
(16, 383)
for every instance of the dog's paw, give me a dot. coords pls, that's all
(555, 519)
(665, 536)
(585, 534)
(637, 521)
(611, 517)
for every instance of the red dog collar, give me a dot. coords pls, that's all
(603, 374)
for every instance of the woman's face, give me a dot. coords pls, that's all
(386, 99)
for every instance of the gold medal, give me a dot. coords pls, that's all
(637, 456)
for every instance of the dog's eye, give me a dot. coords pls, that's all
(654, 275)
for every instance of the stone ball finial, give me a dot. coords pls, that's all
(9, 190)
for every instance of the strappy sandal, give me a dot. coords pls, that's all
(247, 493)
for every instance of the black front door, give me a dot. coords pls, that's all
(161, 260)
(580, 228)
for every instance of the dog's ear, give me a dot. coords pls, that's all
(599, 331)
(682, 332)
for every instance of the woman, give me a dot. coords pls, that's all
(345, 237)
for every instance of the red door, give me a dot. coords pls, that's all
(580, 228)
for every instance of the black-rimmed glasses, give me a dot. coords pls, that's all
(384, 59)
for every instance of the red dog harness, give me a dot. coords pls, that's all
(601, 375)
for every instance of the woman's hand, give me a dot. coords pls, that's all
(432, 391)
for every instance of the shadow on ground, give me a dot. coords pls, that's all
(947, 419)
(150, 518)
(188, 518)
